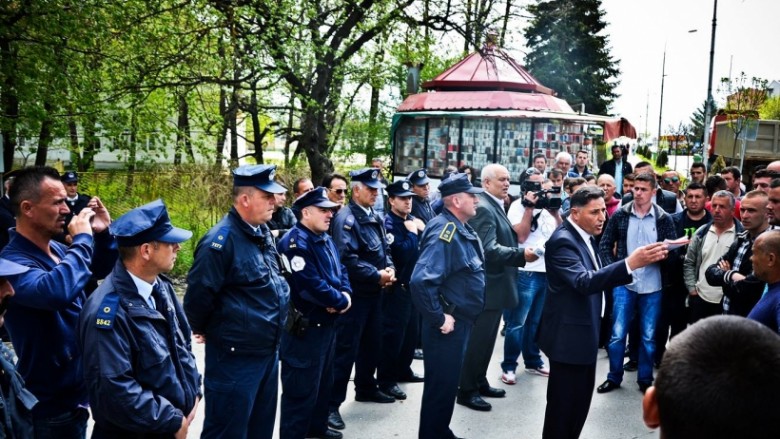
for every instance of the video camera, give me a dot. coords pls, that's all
(549, 199)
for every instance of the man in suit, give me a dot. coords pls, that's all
(618, 167)
(569, 330)
(502, 257)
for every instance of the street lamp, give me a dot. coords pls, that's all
(661, 105)
(708, 104)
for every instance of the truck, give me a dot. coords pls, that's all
(761, 151)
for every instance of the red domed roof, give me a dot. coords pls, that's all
(491, 69)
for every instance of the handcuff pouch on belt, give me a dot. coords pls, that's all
(296, 322)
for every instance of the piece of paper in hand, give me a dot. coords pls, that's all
(676, 243)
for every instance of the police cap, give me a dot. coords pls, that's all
(457, 183)
(259, 176)
(400, 188)
(70, 177)
(418, 177)
(147, 223)
(315, 197)
(9, 268)
(367, 176)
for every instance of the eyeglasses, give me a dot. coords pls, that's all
(339, 191)
(671, 180)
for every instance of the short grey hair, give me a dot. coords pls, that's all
(562, 155)
(725, 194)
(489, 171)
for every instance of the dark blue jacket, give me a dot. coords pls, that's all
(421, 208)
(317, 279)
(43, 315)
(17, 402)
(362, 243)
(138, 361)
(404, 249)
(236, 295)
(451, 265)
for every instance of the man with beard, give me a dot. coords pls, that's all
(236, 301)
(43, 314)
(361, 239)
(138, 361)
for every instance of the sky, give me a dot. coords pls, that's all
(747, 37)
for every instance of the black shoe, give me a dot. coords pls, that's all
(413, 378)
(644, 386)
(394, 391)
(418, 354)
(475, 403)
(329, 434)
(607, 387)
(335, 421)
(503, 330)
(492, 392)
(630, 366)
(375, 396)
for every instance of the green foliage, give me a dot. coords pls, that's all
(770, 109)
(697, 121)
(662, 159)
(718, 166)
(569, 52)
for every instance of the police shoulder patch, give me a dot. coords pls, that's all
(349, 222)
(448, 232)
(297, 263)
(107, 311)
(219, 240)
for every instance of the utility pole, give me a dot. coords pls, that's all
(708, 105)
(661, 106)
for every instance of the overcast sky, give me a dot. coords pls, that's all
(747, 36)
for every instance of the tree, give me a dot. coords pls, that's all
(569, 52)
(742, 105)
(697, 121)
(770, 109)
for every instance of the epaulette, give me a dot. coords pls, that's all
(349, 222)
(107, 311)
(448, 232)
(297, 239)
(218, 243)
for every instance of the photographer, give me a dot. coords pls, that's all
(534, 217)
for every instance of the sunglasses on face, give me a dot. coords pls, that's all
(339, 191)
(671, 180)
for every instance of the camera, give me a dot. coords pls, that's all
(549, 199)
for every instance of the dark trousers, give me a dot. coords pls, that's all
(569, 392)
(68, 425)
(443, 358)
(358, 342)
(307, 377)
(672, 320)
(240, 394)
(701, 309)
(399, 336)
(605, 330)
(478, 353)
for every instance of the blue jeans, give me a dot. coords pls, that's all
(649, 307)
(522, 322)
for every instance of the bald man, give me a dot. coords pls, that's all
(766, 266)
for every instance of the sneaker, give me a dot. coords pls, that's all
(541, 371)
(509, 377)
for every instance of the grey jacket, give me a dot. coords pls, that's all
(693, 257)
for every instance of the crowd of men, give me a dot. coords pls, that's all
(359, 274)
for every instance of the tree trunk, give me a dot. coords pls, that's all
(91, 145)
(220, 147)
(183, 134)
(9, 103)
(233, 124)
(259, 135)
(45, 135)
(131, 156)
(314, 142)
(290, 120)
(74, 139)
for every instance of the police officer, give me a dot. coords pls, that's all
(236, 302)
(320, 292)
(421, 207)
(75, 200)
(361, 239)
(448, 287)
(18, 402)
(399, 329)
(135, 339)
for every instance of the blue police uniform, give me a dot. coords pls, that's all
(449, 274)
(42, 321)
(400, 330)
(237, 298)
(421, 207)
(318, 281)
(362, 243)
(138, 361)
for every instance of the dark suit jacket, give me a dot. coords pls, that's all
(569, 328)
(608, 167)
(502, 255)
